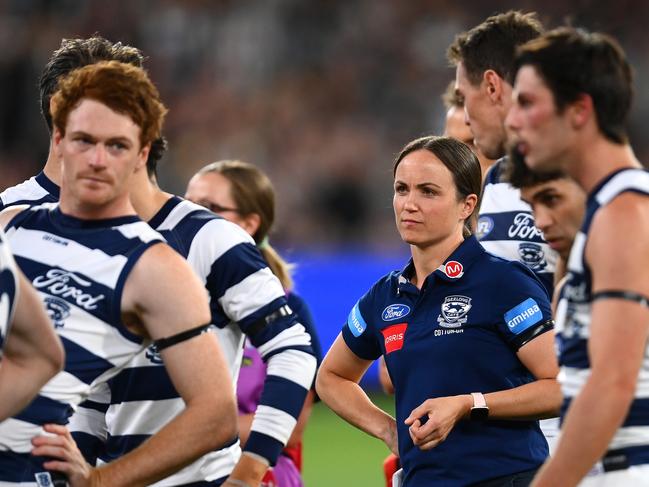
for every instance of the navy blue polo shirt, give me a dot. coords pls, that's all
(458, 334)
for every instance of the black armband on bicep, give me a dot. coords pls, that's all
(531, 333)
(183, 336)
(258, 325)
(622, 294)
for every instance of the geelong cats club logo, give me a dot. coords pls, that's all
(58, 310)
(454, 311)
(153, 355)
(532, 256)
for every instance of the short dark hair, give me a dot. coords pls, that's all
(573, 62)
(516, 172)
(76, 53)
(493, 43)
(458, 158)
(123, 88)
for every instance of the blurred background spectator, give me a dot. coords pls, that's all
(316, 92)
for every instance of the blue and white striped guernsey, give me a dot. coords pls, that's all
(631, 441)
(8, 288)
(506, 227)
(35, 191)
(79, 268)
(141, 399)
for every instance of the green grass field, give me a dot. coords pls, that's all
(337, 454)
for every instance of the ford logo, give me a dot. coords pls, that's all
(395, 312)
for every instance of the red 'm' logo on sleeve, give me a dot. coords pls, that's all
(394, 336)
(453, 269)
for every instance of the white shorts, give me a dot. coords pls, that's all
(634, 476)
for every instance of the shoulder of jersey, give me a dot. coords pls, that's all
(41, 206)
(218, 224)
(25, 192)
(387, 284)
(214, 224)
(496, 262)
(140, 230)
(25, 211)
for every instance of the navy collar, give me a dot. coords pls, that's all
(164, 211)
(606, 179)
(454, 267)
(68, 221)
(48, 185)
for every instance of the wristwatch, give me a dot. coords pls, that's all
(479, 411)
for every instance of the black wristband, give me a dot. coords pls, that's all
(262, 323)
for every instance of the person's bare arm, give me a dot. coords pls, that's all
(164, 293)
(384, 377)
(618, 335)
(535, 400)
(539, 399)
(245, 423)
(33, 353)
(8, 214)
(337, 385)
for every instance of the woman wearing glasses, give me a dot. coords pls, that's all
(243, 194)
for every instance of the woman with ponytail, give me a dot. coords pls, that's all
(241, 193)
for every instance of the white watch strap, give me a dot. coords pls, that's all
(478, 400)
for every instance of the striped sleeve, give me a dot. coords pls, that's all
(291, 367)
(248, 293)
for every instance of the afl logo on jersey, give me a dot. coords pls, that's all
(485, 226)
(395, 312)
(453, 269)
(454, 311)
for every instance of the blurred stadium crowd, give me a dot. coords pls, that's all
(320, 94)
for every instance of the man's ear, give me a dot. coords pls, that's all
(143, 156)
(581, 111)
(57, 137)
(494, 85)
